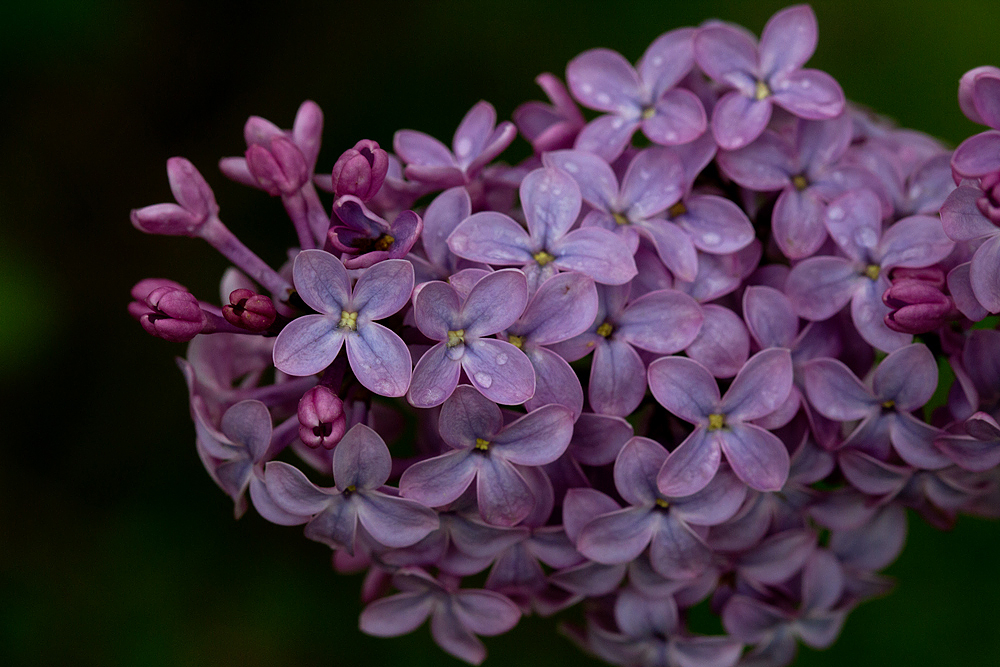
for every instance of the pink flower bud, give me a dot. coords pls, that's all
(361, 170)
(989, 203)
(280, 169)
(321, 418)
(918, 306)
(175, 315)
(195, 204)
(249, 310)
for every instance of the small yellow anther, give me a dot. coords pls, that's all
(482, 445)
(677, 209)
(888, 405)
(456, 337)
(384, 242)
(619, 218)
(543, 257)
(761, 91)
(872, 271)
(648, 113)
(716, 421)
(661, 503)
(800, 182)
(516, 341)
(605, 329)
(348, 320)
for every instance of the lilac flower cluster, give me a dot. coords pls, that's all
(641, 372)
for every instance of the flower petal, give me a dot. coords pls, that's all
(500, 371)
(380, 359)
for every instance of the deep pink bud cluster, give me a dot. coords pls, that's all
(632, 378)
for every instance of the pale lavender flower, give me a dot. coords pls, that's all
(488, 452)
(580, 507)
(457, 615)
(440, 219)
(903, 382)
(310, 343)
(770, 73)
(551, 201)
(973, 214)
(979, 448)
(553, 126)
(688, 390)
(367, 238)
(496, 368)
(979, 98)
(820, 286)
(669, 525)
(661, 322)
(645, 96)
(477, 141)
(361, 466)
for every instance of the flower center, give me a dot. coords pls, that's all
(516, 341)
(872, 271)
(648, 113)
(677, 209)
(482, 445)
(605, 329)
(662, 504)
(761, 91)
(800, 182)
(384, 242)
(888, 405)
(619, 218)
(716, 421)
(348, 320)
(543, 257)
(456, 337)
(349, 490)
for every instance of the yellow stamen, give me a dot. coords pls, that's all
(619, 218)
(716, 421)
(660, 502)
(648, 113)
(677, 209)
(605, 329)
(761, 91)
(350, 489)
(889, 405)
(456, 337)
(872, 271)
(543, 257)
(348, 320)
(482, 445)
(384, 242)
(516, 341)
(800, 182)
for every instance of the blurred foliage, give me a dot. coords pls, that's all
(115, 547)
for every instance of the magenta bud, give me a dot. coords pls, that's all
(175, 315)
(280, 169)
(361, 170)
(930, 275)
(195, 204)
(989, 203)
(142, 289)
(917, 307)
(249, 310)
(322, 421)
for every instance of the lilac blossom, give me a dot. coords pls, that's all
(662, 322)
(248, 310)
(310, 343)
(668, 524)
(807, 168)
(642, 97)
(973, 214)
(457, 615)
(322, 421)
(904, 381)
(688, 390)
(367, 238)
(361, 466)
(477, 141)
(978, 448)
(488, 452)
(820, 286)
(550, 126)
(496, 368)
(765, 74)
(918, 301)
(979, 98)
(551, 201)
(360, 171)
(440, 219)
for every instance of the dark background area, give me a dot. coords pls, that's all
(115, 546)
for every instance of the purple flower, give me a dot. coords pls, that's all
(361, 465)
(644, 96)
(903, 382)
(820, 286)
(973, 214)
(488, 452)
(688, 390)
(564, 306)
(249, 310)
(457, 615)
(321, 418)
(979, 98)
(477, 140)
(667, 524)
(918, 301)
(979, 448)
(769, 74)
(807, 168)
(551, 202)
(553, 126)
(441, 218)
(662, 322)
(368, 238)
(360, 171)
(496, 368)
(310, 343)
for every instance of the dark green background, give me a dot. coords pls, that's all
(115, 547)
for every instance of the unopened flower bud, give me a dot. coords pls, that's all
(989, 203)
(195, 204)
(321, 418)
(175, 315)
(249, 310)
(142, 289)
(917, 306)
(280, 169)
(361, 170)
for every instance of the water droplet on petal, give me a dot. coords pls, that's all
(571, 167)
(657, 61)
(587, 88)
(603, 98)
(483, 379)
(835, 213)
(711, 238)
(501, 359)
(463, 147)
